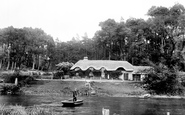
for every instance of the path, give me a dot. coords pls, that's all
(86, 80)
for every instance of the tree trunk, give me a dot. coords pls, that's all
(48, 65)
(124, 58)
(39, 62)
(12, 66)
(110, 48)
(15, 65)
(121, 49)
(104, 51)
(33, 66)
(1, 64)
(109, 55)
(8, 65)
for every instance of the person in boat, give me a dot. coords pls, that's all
(74, 95)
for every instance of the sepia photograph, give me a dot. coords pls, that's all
(92, 57)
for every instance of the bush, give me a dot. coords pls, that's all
(12, 89)
(58, 75)
(47, 74)
(15, 89)
(22, 79)
(163, 81)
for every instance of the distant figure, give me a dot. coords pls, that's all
(16, 81)
(91, 75)
(74, 95)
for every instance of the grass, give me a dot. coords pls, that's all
(58, 87)
(20, 110)
(118, 89)
(34, 110)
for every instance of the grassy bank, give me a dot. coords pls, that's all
(116, 89)
(20, 110)
(63, 87)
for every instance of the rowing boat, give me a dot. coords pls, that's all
(71, 103)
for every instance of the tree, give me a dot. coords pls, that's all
(167, 29)
(108, 29)
(111, 40)
(23, 47)
(14, 43)
(162, 80)
(40, 47)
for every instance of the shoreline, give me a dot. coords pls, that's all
(120, 96)
(101, 89)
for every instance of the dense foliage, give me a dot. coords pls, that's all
(22, 79)
(27, 47)
(159, 37)
(15, 88)
(163, 80)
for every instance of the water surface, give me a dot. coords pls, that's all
(94, 105)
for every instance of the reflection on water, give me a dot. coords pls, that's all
(21, 100)
(94, 105)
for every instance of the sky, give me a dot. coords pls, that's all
(65, 19)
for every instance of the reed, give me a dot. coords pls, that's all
(20, 110)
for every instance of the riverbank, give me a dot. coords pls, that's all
(95, 88)
(111, 88)
(21, 110)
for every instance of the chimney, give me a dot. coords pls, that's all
(85, 58)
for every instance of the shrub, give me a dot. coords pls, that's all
(10, 78)
(47, 73)
(163, 80)
(22, 79)
(183, 81)
(58, 75)
(12, 89)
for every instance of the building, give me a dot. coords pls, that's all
(108, 69)
(140, 72)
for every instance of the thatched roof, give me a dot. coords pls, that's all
(65, 64)
(142, 69)
(109, 65)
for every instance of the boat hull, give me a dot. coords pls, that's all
(70, 103)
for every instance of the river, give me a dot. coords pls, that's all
(94, 105)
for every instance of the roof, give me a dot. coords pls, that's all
(109, 65)
(65, 64)
(141, 69)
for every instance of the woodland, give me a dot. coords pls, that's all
(158, 39)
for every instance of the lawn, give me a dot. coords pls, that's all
(59, 87)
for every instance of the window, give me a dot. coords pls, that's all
(125, 76)
(136, 77)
